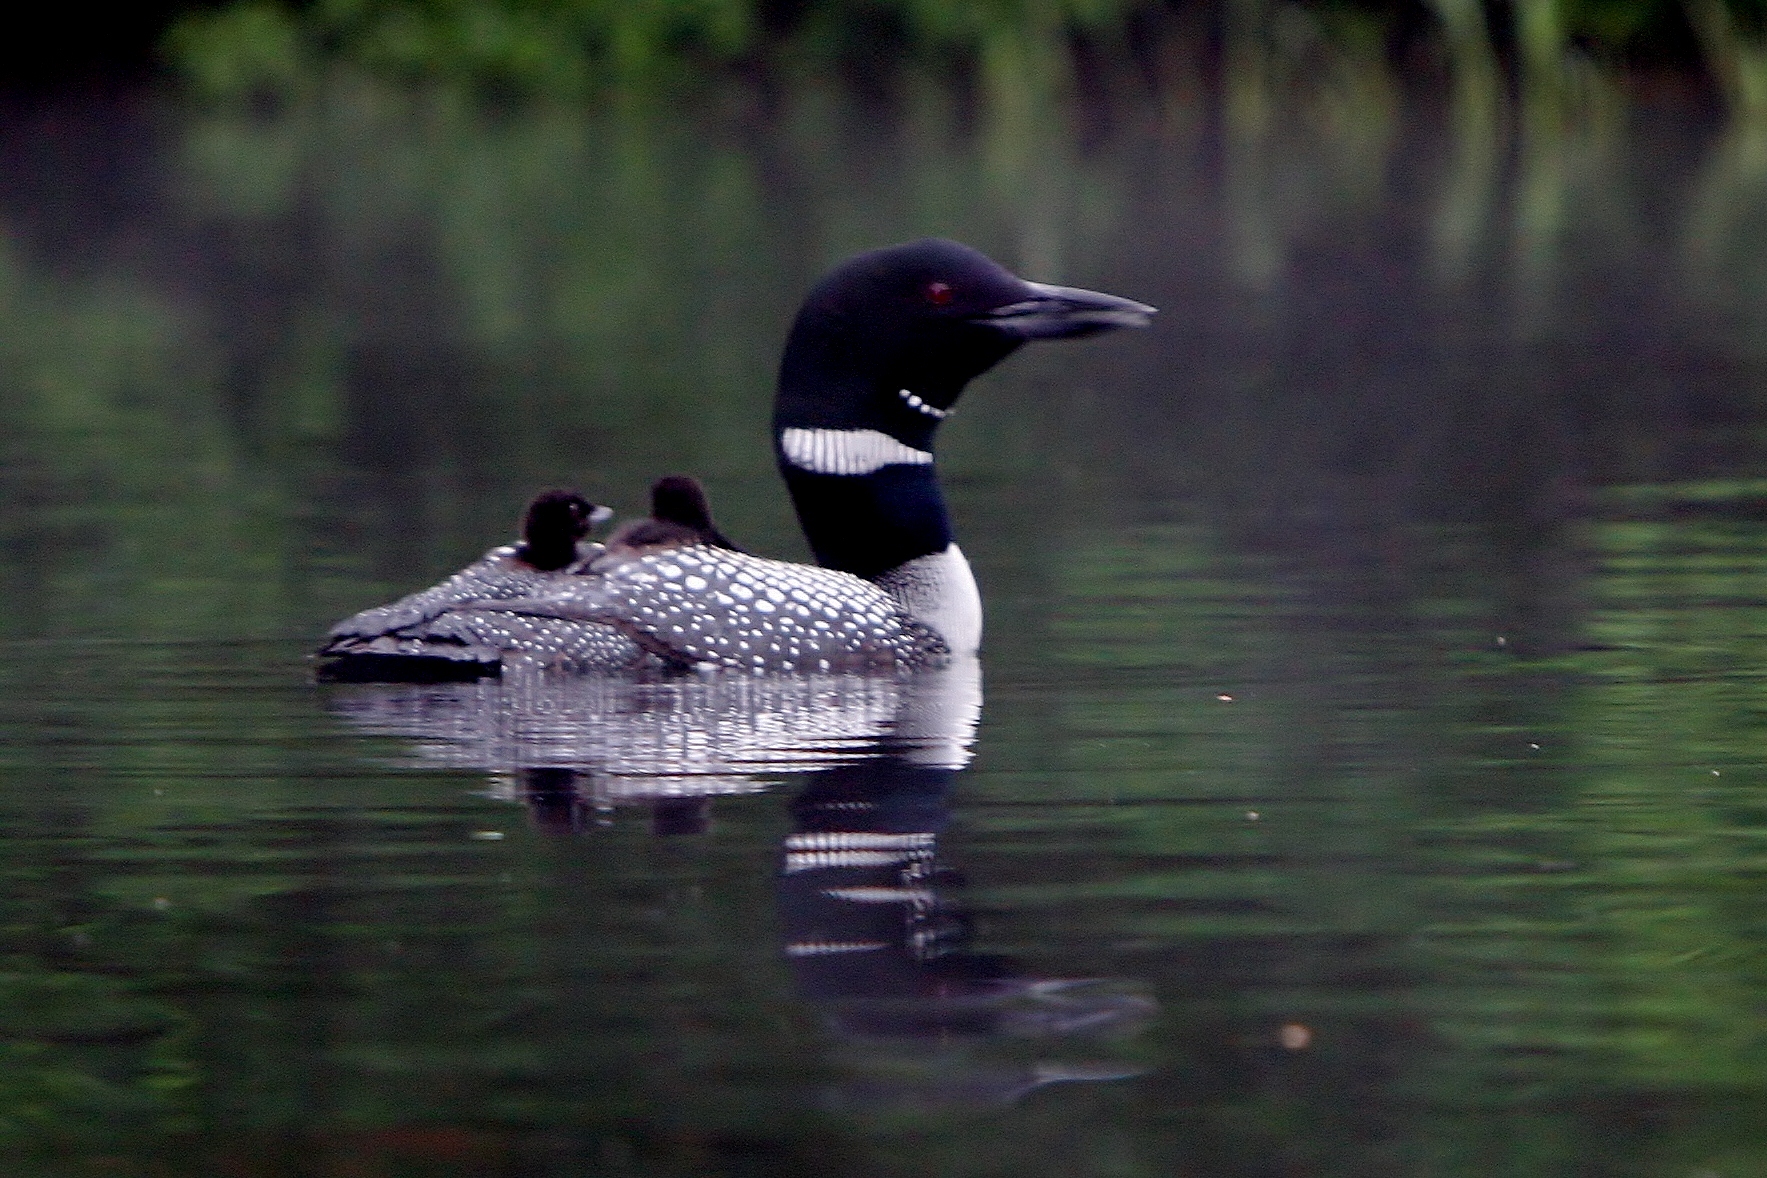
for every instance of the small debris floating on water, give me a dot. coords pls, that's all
(1295, 1037)
(487, 835)
(1252, 815)
(1224, 698)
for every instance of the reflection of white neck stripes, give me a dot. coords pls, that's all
(818, 850)
(848, 840)
(826, 948)
(847, 451)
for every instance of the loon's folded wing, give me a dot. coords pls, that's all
(496, 575)
(427, 636)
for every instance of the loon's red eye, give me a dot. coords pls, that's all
(938, 293)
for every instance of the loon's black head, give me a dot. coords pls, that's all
(553, 524)
(888, 339)
(880, 351)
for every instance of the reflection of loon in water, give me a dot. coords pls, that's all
(872, 932)
(876, 939)
(627, 740)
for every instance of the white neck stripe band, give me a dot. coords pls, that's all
(847, 451)
(920, 406)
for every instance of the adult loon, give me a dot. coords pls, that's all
(881, 349)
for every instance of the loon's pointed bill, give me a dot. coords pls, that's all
(1067, 312)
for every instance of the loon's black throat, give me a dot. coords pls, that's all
(869, 524)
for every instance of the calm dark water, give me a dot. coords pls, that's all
(1363, 775)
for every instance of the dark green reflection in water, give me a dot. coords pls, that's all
(1372, 668)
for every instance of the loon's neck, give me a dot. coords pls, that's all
(870, 505)
(859, 402)
(866, 522)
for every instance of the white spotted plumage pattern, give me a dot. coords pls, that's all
(847, 451)
(421, 624)
(540, 641)
(704, 605)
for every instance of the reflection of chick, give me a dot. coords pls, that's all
(679, 516)
(559, 803)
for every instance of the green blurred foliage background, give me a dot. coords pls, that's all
(1545, 51)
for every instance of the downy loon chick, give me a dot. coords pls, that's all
(381, 643)
(881, 349)
(679, 516)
